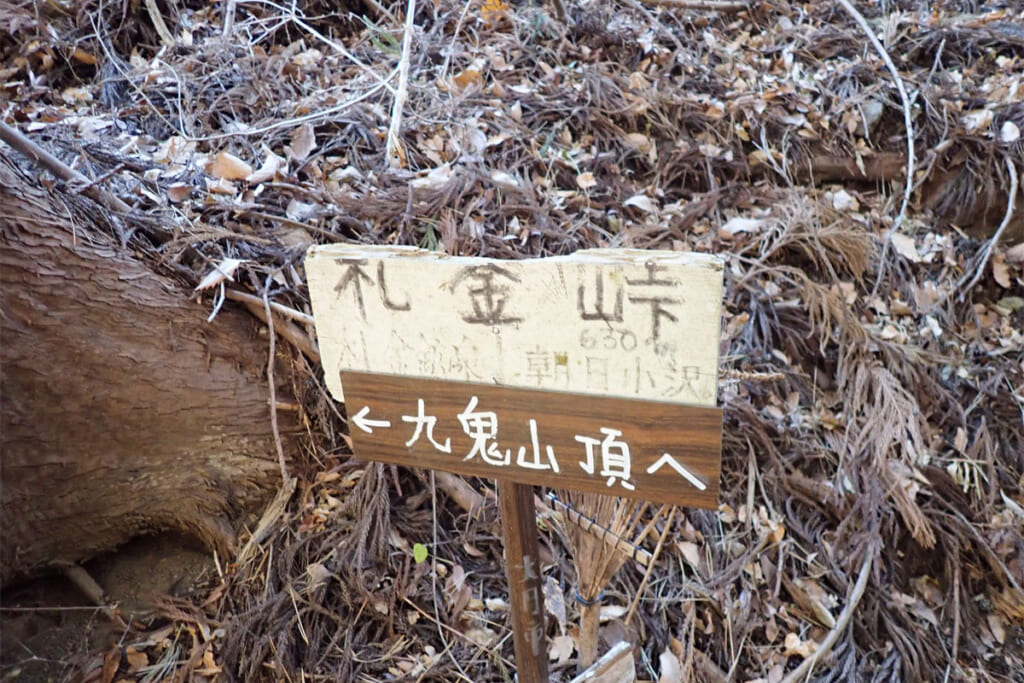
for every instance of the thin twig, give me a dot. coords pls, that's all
(451, 45)
(953, 658)
(158, 23)
(46, 608)
(650, 567)
(84, 582)
(392, 149)
(560, 12)
(841, 623)
(229, 17)
(745, 376)
(285, 477)
(1007, 217)
(289, 331)
(605, 534)
(290, 14)
(710, 5)
(908, 123)
(16, 139)
(433, 579)
(458, 634)
(236, 295)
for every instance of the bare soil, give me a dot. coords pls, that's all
(48, 628)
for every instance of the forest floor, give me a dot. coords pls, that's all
(50, 628)
(872, 366)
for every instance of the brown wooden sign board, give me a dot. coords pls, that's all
(609, 386)
(656, 451)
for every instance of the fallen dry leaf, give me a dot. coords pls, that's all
(481, 636)
(997, 625)
(1000, 271)
(178, 192)
(793, 646)
(272, 163)
(225, 270)
(493, 12)
(812, 598)
(1015, 254)
(1009, 132)
(303, 142)
(671, 672)
(220, 186)
(554, 601)
(173, 150)
(738, 224)
(905, 247)
(561, 649)
(691, 553)
(228, 167)
(434, 179)
(136, 660)
(844, 201)
(976, 120)
(466, 79)
(642, 202)
(586, 181)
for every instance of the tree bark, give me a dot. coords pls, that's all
(123, 411)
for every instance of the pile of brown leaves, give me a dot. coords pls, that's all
(873, 358)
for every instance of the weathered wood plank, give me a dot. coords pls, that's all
(522, 566)
(628, 323)
(657, 451)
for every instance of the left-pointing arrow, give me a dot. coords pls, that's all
(360, 420)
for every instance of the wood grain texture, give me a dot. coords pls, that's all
(522, 566)
(690, 436)
(124, 411)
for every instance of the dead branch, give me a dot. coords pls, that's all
(650, 567)
(16, 139)
(271, 361)
(394, 153)
(243, 297)
(907, 122)
(881, 166)
(289, 331)
(709, 5)
(464, 495)
(842, 622)
(1011, 200)
(158, 23)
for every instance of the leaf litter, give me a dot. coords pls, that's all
(870, 525)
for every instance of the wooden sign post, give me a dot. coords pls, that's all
(594, 372)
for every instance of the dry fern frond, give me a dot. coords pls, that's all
(832, 241)
(884, 437)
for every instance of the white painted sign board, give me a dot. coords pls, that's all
(610, 322)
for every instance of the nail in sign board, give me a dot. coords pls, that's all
(596, 371)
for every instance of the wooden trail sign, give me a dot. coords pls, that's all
(662, 452)
(608, 322)
(595, 371)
